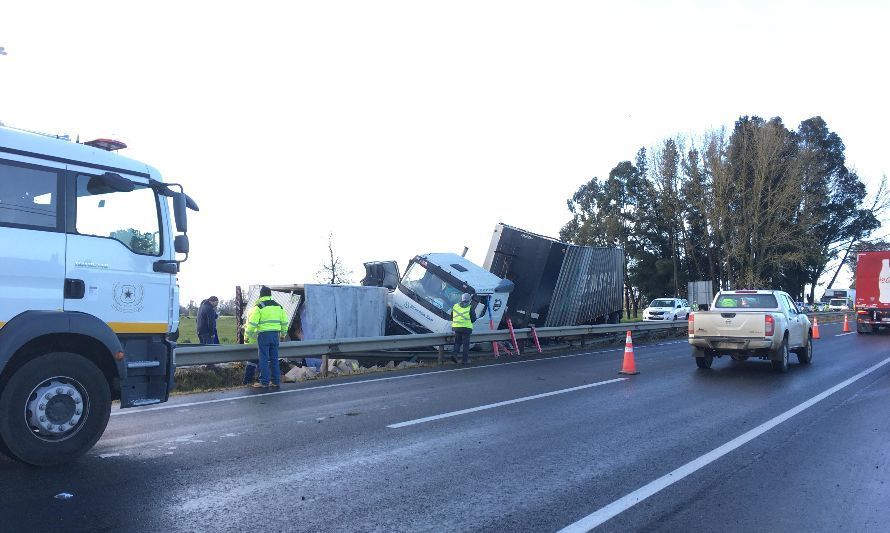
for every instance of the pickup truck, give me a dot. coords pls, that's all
(751, 323)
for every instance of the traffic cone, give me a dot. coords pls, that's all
(815, 328)
(629, 366)
(846, 325)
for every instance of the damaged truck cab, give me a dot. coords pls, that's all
(434, 282)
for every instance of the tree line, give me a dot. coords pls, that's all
(762, 206)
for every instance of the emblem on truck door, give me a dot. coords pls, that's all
(128, 297)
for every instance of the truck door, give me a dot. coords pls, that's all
(32, 259)
(115, 238)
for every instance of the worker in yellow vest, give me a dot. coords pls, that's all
(266, 323)
(463, 315)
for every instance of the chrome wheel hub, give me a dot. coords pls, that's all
(55, 408)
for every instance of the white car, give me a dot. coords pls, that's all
(667, 309)
(838, 304)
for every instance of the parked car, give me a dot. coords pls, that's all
(667, 309)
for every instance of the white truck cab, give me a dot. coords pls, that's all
(88, 290)
(434, 282)
(662, 309)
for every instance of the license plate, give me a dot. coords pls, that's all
(728, 345)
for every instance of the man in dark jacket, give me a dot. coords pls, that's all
(207, 316)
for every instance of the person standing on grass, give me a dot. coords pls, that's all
(267, 323)
(206, 321)
(463, 315)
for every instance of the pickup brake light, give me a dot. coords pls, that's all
(770, 325)
(692, 323)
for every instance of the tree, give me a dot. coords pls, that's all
(332, 270)
(831, 207)
(226, 307)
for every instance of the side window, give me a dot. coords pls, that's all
(29, 197)
(128, 217)
(791, 307)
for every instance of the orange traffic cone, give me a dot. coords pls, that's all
(815, 328)
(629, 366)
(846, 325)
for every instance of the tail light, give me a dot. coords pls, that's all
(691, 323)
(769, 325)
(862, 312)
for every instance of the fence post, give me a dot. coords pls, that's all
(324, 365)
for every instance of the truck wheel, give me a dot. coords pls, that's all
(781, 365)
(54, 409)
(805, 354)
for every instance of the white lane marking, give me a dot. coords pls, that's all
(500, 404)
(622, 504)
(842, 334)
(122, 412)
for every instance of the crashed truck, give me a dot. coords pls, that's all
(528, 278)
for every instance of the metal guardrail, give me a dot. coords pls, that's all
(206, 355)
(216, 354)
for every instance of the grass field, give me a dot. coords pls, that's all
(225, 326)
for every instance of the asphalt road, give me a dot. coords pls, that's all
(533, 445)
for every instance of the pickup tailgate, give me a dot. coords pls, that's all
(730, 324)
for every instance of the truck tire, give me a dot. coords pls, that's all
(54, 409)
(781, 365)
(805, 354)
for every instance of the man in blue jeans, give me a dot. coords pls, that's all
(267, 323)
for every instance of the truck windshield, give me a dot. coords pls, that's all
(662, 303)
(838, 303)
(128, 217)
(755, 301)
(430, 288)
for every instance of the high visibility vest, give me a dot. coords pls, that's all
(266, 315)
(460, 317)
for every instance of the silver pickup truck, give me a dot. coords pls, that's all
(749, 323)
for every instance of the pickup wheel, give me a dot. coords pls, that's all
(805, 354)
(781, 365)
(703, 358)
(53, 409)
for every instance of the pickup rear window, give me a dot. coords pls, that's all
(755, 301)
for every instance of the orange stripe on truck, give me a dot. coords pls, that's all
(138, 327)
(131, 327)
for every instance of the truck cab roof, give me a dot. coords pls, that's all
(55, 151)
(481, 280)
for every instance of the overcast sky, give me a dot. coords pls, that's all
(409, 127)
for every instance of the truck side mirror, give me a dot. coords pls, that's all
(180, 206)
(181, 244)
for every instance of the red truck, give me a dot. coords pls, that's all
(872, 291)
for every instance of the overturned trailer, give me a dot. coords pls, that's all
(556, 283)
(323, 311)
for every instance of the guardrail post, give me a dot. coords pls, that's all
(440, 350)
(324, 365)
